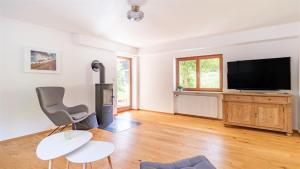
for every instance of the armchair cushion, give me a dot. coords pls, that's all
(77, 109)
(60, 117)
(77, 116)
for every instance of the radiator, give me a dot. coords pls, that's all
(206, 105)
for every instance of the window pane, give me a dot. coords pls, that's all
(187, 74)
(210, 73)
(123, 82)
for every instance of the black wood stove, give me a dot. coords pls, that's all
(104, 97)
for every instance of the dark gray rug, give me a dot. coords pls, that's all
(120, 124)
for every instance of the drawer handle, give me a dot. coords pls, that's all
(269, 99)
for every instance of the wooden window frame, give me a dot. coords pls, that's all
(197, 59)
(127, 108)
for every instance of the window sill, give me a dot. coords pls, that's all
(200, 93)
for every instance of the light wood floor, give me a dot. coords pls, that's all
(166, 138)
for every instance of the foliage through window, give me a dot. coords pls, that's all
(202, 73)
(187, 71)
(123, 82)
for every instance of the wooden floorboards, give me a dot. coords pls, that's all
(165, 138)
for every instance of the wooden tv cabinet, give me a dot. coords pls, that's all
(258, 110)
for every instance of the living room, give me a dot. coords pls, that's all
(170, 91)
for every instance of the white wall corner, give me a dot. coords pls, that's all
(298, 113)
(95, 42)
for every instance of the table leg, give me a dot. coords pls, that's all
(68, 164)
(50, 164)
(109, 161)
(84, 166)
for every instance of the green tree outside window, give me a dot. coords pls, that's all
(187, 73)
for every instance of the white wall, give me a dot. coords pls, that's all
(134, 91)
(157, 69)
(299, 75)
(156, 83)
(1, 69)
(20, 113)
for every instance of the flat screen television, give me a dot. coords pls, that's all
(263, 74)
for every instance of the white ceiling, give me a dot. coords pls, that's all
(165, 20)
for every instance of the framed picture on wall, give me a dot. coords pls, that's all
(41, 60)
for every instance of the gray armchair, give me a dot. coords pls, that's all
(51, 102)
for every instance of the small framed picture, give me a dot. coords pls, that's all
(41, 60)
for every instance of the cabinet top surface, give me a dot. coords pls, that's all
(258, 94)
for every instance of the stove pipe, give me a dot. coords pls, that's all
(97, 66)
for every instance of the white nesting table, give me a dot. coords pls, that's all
(90, 152)
(62, 143)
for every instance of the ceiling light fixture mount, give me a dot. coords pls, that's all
(135, 14)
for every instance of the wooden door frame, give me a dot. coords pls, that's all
(126, 108)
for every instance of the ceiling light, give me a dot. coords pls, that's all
(135, 14)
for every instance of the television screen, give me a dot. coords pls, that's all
(263, 74)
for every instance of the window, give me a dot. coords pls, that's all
(200, 73)
(210, 73)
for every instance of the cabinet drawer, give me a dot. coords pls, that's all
(238, 98)
(275, 100)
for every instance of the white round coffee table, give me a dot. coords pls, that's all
(90, 152)
(62, 143)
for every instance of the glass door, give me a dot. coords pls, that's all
(124, 84)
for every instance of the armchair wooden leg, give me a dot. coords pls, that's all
(68, 164)
(50, 164)
(84, 166)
